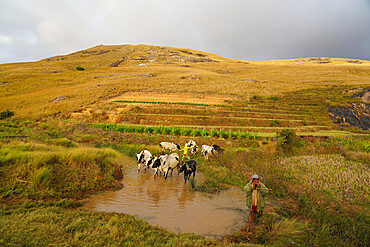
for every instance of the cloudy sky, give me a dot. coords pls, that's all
(245, 29)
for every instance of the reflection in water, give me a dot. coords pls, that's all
(170, 204)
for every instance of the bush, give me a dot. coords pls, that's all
(275, 122)
(286, 137)
(79, 68)
(6, 114)
(274, 98)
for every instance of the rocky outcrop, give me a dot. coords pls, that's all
(355, 114)
(364, 95)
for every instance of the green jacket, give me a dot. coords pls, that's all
(261, 193)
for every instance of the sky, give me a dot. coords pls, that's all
(255, 30)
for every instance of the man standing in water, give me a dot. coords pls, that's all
(255, 193)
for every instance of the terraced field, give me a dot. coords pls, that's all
(305, 112)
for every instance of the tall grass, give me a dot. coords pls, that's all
(40, 178)
(47, 224)
(330, 190)
(38, 170)
(330, 174)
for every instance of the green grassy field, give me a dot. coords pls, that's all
(78, 123)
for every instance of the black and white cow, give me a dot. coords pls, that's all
(188, 168)
(142, 158)
(155, 163)
(207, 151)
(217, 148)
(194, 147)
(169, 146)
(167, 164)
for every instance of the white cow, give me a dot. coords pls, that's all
(169, 146)
(142, 158)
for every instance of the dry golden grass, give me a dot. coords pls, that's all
(28, 88)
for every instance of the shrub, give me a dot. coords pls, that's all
(6, 114)
(275, 122)
(274, 98)
(286, 137)
(79, 68)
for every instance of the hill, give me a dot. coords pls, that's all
(260, 96)
(301, 124)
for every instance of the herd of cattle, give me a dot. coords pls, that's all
(163, 164)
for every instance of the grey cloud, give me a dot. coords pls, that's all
(243, 29)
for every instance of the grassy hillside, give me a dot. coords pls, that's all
(283, 93)
(74, 114)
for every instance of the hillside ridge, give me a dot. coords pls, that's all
(62, 85)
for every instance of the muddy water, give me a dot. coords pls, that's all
(171, 204)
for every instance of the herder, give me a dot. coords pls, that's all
(185, 154)
(255, 198)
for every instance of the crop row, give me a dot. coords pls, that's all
(175, 131)
(169, 103)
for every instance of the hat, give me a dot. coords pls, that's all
(255, 176)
